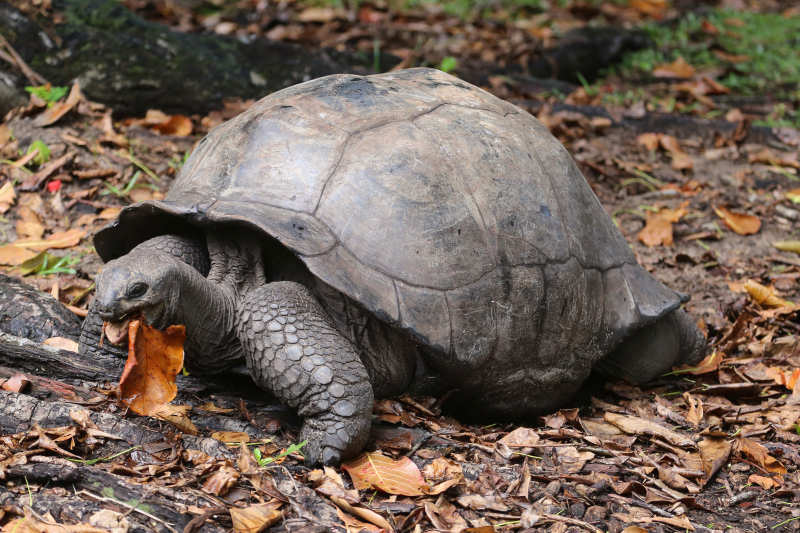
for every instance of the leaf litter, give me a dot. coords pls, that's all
(711, 447)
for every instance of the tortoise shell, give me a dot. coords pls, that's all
(438, 207)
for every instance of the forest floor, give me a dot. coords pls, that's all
(692, 147)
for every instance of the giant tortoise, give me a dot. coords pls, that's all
(352, 235)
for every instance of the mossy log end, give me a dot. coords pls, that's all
(131, 64)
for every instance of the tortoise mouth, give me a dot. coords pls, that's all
(116, 331)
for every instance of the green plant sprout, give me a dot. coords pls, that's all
(264, 461)
(44, 152)
(49, 94)
(448, 64)
(44, 264)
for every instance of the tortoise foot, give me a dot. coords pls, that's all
(294, 351)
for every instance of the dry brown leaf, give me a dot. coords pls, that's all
(785, 378)
(765, 296)
(651, 8)
(648, 140)
(680, 159)
(62, 239)
(52, 114)
(479, 502)
(231, 436)
(30, 524)
(16, 383)
(221, 481)
(62, 343)
(179, 125)
(7, 196)
(634, 529)
(760, 455)
(741, 223)
(154, 360)
(177, 415)
(768, 157)
(709, 364)
(375, 470)
(521, 437)
(12, 255)
(658, 230)
(677, 69)
(787, 246)
(363, 513)
(640, 426)
(444, 472)
(764, 482)
(354, 525)
(255, 518)
(695, 414)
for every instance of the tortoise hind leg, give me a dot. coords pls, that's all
(190, 251)
(655, 349)
(294, 351)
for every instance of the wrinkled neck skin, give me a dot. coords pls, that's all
(208, 311)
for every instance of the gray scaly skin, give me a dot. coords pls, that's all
(287, 339)
(308, 345)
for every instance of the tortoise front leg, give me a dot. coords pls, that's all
(294, 351)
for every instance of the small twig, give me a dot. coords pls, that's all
(652, 508)
(131, 507)
(743, 497)
(17, 61)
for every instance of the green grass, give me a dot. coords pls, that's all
(770, 41)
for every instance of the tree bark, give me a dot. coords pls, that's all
(132, 65)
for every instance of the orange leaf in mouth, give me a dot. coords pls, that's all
(154, 359)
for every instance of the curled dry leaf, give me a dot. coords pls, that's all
(154, 360)
(16, 383)
(658, 230)
(255, 518)
(788, 379)
(765, 296)
(52, 114)
(62, 343)
(741, 223)
(177, 415)
(677, 69)
(393, 476)
(764, 482)
(221, 481)
(231, 436)
(760, 455)
(640, 426)
(521, 437)
(709, 364)
(788, 246)
(7, 196)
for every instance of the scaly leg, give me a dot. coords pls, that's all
(294, 351)
(190, 251)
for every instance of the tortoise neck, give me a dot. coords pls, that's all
(236, 260)
(208, 310)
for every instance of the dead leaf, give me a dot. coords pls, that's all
(764, 482)
(177, 415)
(221, 481)
(658, 229)
(154, 360)
(741, 223)
(634, 529)
(648, 140)
(765, 296)
(62, 239)
(362, 512)
(14, 255)
(375, 470)
(521, 437)
(29, 524)
(62, 343)
(479, 502)
(255, 518)
(677, 69)
(570, 460)
(760, 455)
(7, 196)
(16, 383)
(650, 8)
(788, 379)
(231, 436)
(695, 414)
(768, 157)
(787, 246)
(640, 426)
(353, 524)
(709, 364)
(52, 114)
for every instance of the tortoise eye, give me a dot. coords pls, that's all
(136, 290)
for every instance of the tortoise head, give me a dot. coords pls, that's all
(137, 285)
